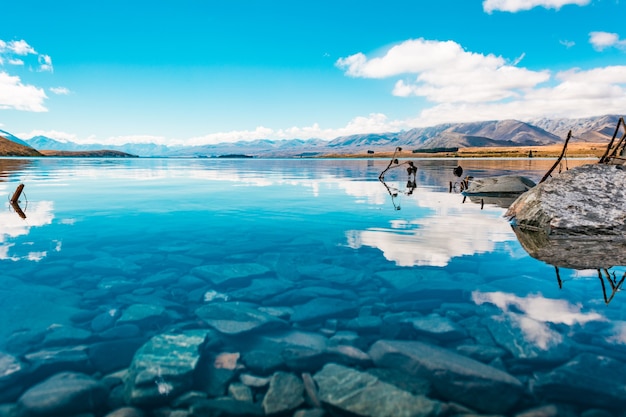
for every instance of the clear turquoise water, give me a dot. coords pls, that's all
(94, 224)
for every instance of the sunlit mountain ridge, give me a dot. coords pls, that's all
(450, 135)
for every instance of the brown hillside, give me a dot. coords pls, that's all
(88, 154)
(10, 148)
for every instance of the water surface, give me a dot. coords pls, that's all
(103, 235)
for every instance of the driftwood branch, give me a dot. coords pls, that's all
(605, 157)
(545, 177)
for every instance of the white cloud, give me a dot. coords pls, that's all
(60, 91)
(372, 123)
(446, 72)
(603, 40)
(464, 86)
(567, 44)
(13, 93)
(52, 134)
(20, 47)
(45, 63)
(16, 95)
(520, 5)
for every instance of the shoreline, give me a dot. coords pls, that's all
(574, 150)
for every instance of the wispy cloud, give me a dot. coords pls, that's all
(603, 40)
(514, 6)
(45, 63)
(62, 91)
(372, 123)
(567, 44)
(14, 52)
(17, 47)
(52, 134)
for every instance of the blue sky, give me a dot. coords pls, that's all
(204, 71)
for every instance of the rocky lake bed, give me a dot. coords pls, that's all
(186, 311)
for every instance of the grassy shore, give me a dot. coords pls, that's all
(574, 150)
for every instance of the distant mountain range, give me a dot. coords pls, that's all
(450, 135)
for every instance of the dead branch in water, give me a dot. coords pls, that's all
(605, 158)
(558, 160)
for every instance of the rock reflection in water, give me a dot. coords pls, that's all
(581, 253)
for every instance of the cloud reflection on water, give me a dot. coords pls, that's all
(538, 307)
(441, 228)
(533, 313)
(38, 214)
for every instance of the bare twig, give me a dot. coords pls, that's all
(545, 177)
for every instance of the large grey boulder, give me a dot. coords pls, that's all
(455, 377)
(587, 201)
(362, 394)
(163, 368)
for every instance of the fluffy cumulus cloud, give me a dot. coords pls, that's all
(445, 72)
(15, 94)
(604, 40)
(463, 86)
(514, 6)
(19, 96)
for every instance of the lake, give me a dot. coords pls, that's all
(291, 287)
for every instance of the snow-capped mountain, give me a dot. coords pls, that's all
(449, 135)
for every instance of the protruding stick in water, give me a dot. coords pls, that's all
(17, 194)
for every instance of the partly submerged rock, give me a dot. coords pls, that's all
(585, 201)
(501, 185)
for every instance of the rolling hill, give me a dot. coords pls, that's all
(11, 148)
